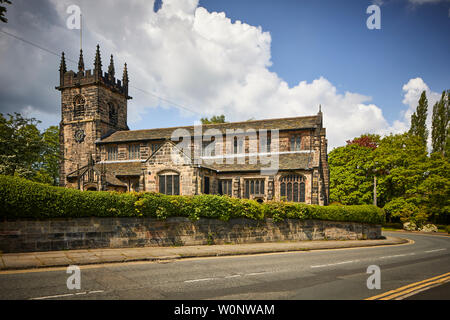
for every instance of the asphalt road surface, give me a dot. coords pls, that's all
(326, 274)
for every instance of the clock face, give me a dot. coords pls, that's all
(79, 136)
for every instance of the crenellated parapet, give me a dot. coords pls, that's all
(72, 79)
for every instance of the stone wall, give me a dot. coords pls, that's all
(90, 233)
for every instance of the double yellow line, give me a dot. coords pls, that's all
(412, 288)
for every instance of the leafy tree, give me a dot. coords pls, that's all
(351, 175)
(3, 10)
(26, 152)
(401, 209)
(48, 171)
(440, 124)
(214, 119)
(20, 145)
(401, 157)
(419, 118)
(433, 195)
(368, 140)
(410, 185)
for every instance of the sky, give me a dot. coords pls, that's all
(246, 59)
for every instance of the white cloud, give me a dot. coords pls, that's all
(205, 61)
(412, 92)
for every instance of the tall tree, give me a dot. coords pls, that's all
(447, 138)
(3, 10)
(440, 124)
(419, 118)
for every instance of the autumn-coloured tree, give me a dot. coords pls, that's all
(368, 140)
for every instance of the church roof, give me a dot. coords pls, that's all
(113, 171)
(286, 161)
(297, 123)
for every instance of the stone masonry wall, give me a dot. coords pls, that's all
(90, 233)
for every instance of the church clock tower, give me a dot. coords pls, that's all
(93, 105)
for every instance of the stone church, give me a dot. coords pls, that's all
(100, 153)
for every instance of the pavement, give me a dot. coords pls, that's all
(17, 261)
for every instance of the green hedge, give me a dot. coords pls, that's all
(21, 198)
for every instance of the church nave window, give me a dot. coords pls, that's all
(296, 142)
(254, 187)
(134, 151)
(112, 153)
(292, 188)
(225, 187)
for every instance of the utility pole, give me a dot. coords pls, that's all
(375, 190)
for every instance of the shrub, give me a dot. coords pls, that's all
(21, 198)
(194, 207)
(360, 213)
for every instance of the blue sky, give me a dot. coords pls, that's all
(242, 58)
(313, 38)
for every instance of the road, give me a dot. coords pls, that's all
(326, 274)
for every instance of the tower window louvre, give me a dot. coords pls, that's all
(78, 106)
(113, 114)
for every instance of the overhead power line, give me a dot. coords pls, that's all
(75, 62)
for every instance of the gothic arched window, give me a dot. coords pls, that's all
(113, 114)
(293, 188)
(78, 106)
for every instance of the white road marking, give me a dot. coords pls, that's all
(98, 291)
(398, 255)
(227, 277)
(436, 250)
(256, 273)
(333, 264)
(199, 280)
(67, 295)
(52, 297)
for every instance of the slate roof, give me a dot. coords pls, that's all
(286, 161)
(121, 168)
(113, 171)
(310, 122)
